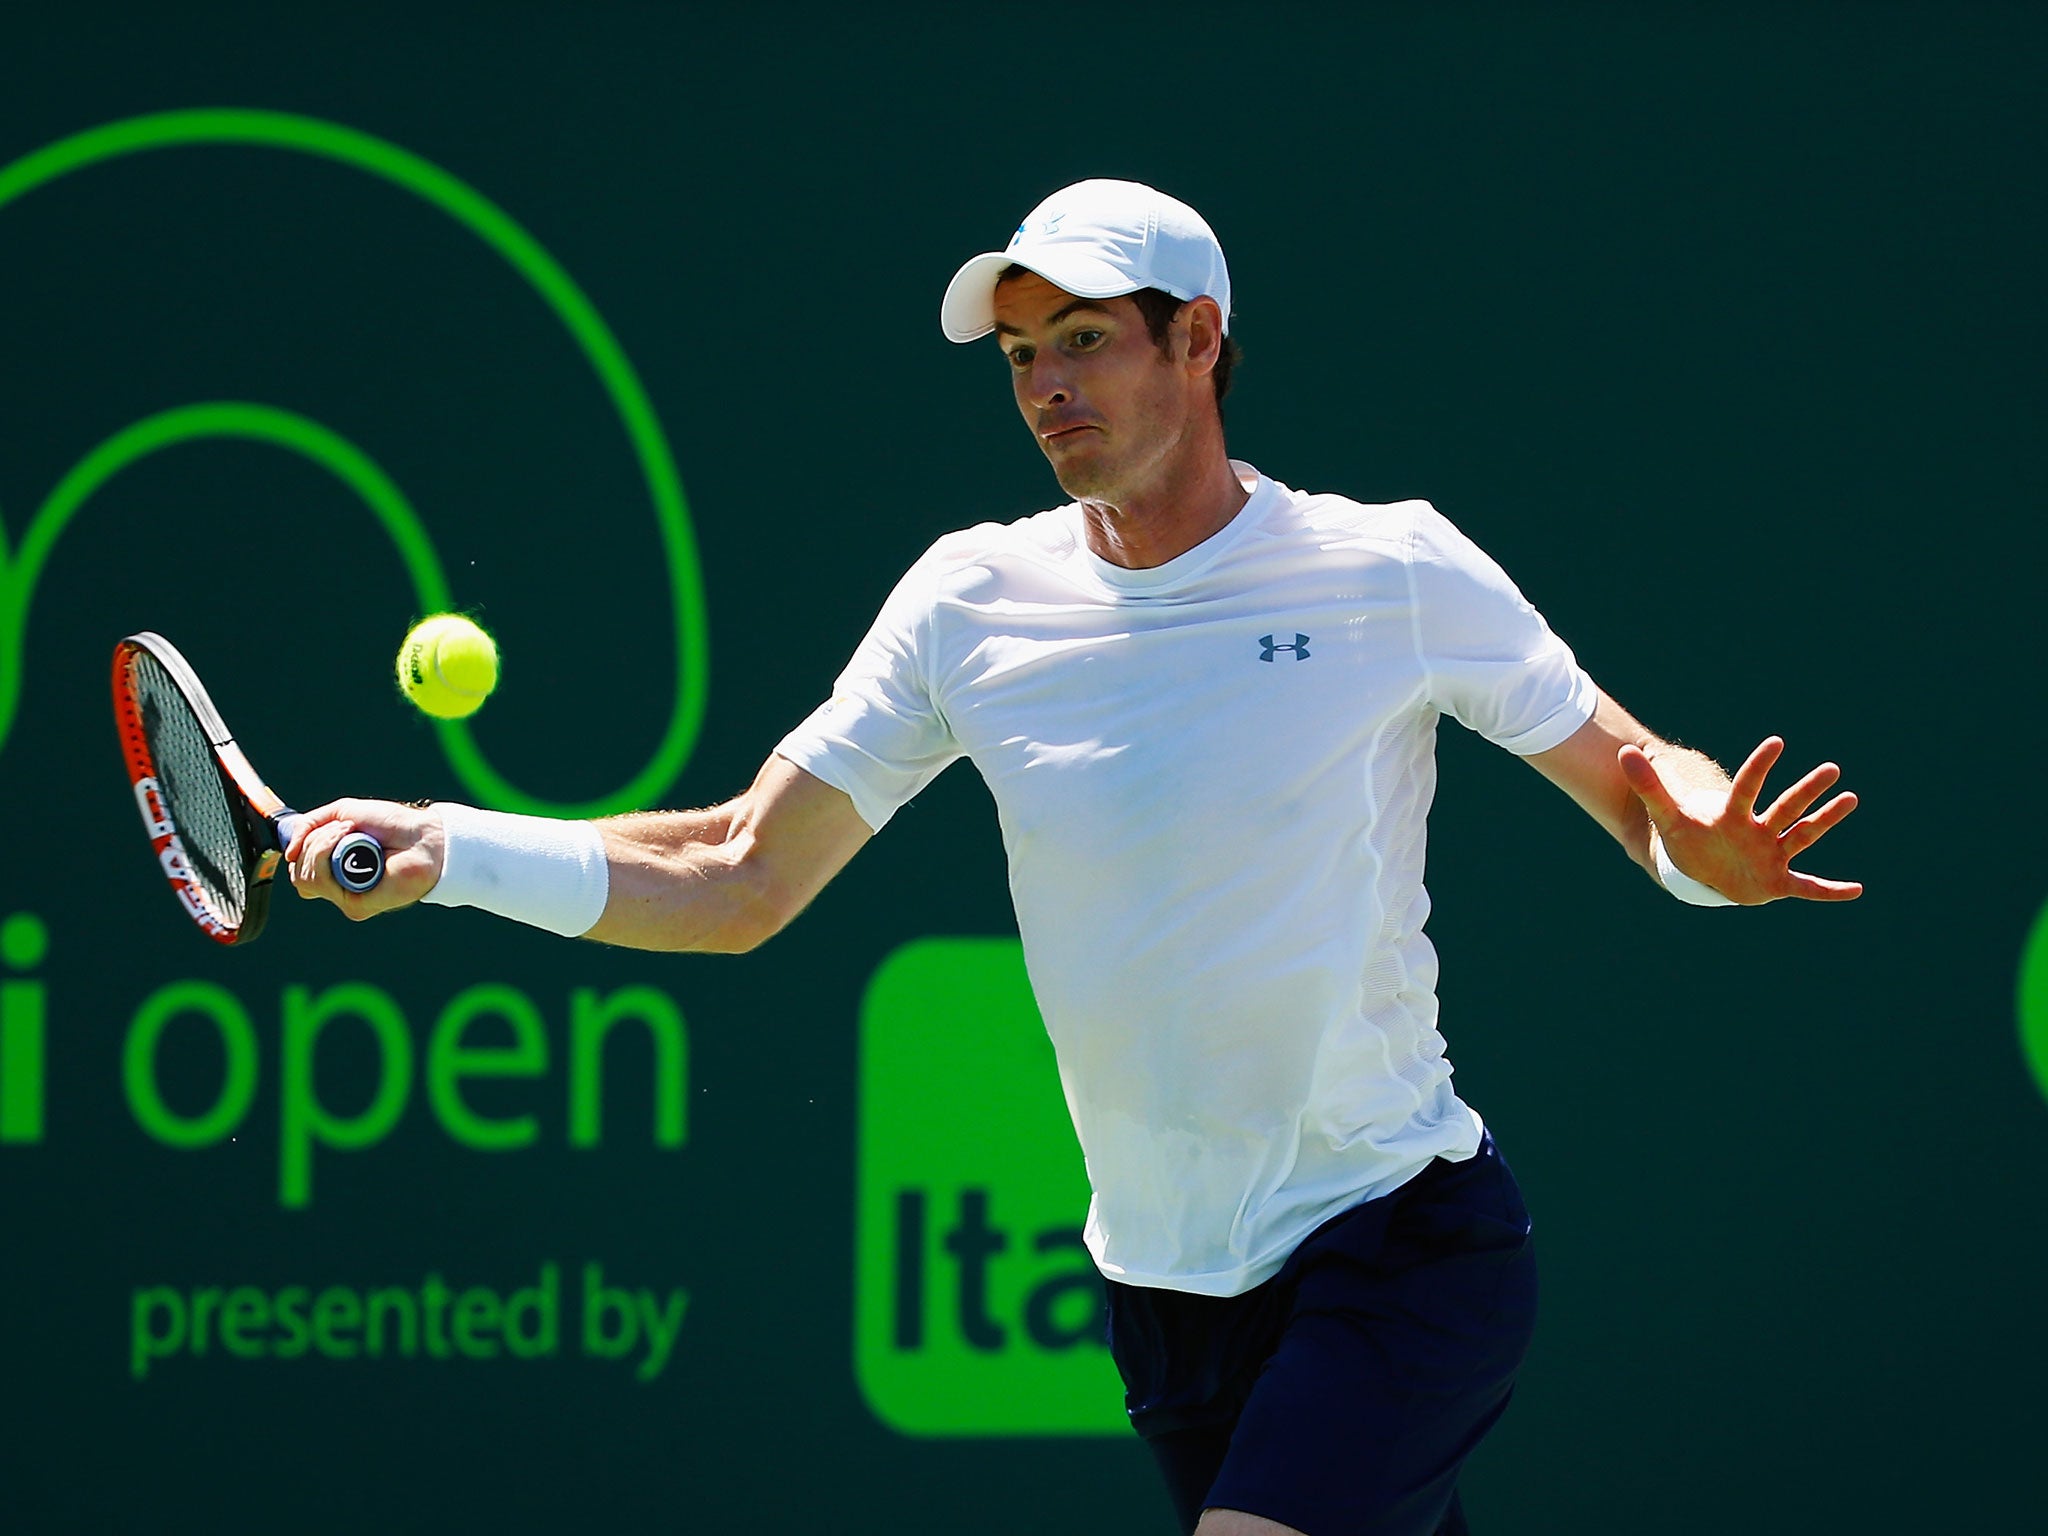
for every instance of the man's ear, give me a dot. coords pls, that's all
(1203, 320)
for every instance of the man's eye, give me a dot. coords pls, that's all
(1087, 338)
(1019, 357)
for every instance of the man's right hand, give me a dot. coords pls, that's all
(413, 848)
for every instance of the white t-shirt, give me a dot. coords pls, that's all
(1212, 778)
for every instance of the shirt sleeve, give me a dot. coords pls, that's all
(881, 737)
(1488, 657)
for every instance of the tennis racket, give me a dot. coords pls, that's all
(219, 831)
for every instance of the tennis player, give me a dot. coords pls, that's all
(1206, 704)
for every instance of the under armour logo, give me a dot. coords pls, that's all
(1046, 227)
(1268, 650)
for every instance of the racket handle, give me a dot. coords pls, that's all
(357, 860)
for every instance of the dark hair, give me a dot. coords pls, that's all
(1159, 307)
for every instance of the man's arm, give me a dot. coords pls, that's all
(722, 880)
(1631, 781)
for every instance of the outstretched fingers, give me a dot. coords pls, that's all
(1798, 800)
(1807, 831)
(1802, 835)
(1813, 888)
(1752, 850)
(1748, 783)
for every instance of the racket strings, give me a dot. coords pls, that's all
(194, 798)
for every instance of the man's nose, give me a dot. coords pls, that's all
(1048, 384)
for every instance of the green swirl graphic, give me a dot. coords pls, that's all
(348, 463)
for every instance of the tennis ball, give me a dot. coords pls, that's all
(447, 666)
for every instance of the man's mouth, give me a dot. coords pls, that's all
(1063, 430)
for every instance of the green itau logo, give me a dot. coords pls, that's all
(2033, 1001)
(977, 1310)
(23, 942)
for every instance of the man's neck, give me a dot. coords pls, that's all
(1163, 522)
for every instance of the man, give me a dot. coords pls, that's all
(1206, 705)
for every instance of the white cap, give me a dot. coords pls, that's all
(1097, 240)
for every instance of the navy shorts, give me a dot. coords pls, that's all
(1342, 1395)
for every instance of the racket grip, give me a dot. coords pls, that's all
(357, 860)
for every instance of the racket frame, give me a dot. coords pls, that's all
(257, 808)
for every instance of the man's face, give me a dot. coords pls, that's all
(1108, 407)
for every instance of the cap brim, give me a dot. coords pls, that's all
(968, 311)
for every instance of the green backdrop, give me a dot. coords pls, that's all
(1720, 326)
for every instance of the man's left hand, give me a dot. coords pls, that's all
(1727, 843)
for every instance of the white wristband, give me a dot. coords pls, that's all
(1675, 880)
(552, 874)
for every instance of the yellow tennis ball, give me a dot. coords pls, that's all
(447, 666)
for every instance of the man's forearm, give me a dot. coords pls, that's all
(680, 881)
(676, 829)
(727, 878)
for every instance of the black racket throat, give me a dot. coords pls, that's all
(263, 846)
